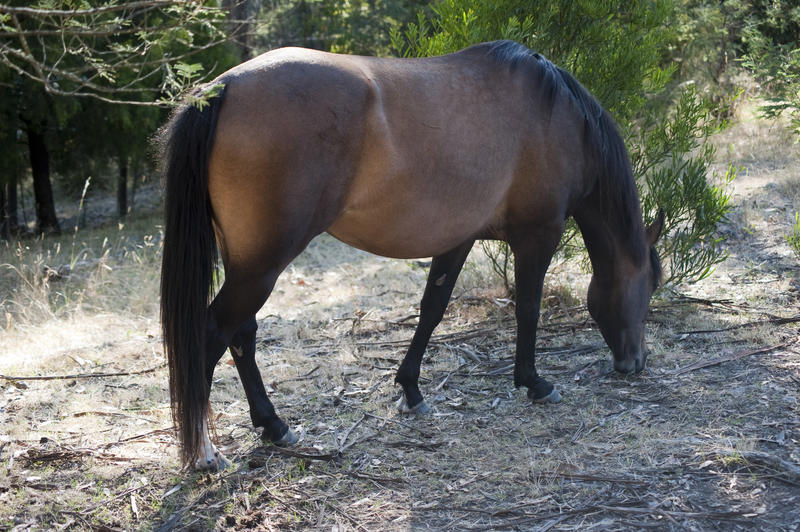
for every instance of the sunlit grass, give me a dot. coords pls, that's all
(108, 268)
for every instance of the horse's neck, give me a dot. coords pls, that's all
(605, 241)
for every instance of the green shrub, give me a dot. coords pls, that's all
(793, 239)
(770, 36)
(616, 50)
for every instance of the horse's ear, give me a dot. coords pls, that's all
(654, 229)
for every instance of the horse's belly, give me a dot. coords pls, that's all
(404, 232)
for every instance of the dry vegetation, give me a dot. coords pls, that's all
(707, 437)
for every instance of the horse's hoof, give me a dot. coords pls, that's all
(420, 408)
(217, 462)
(552, 397)
(290, 438)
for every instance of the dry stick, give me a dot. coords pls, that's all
(672, 513)
(173, 520)
(67, 453)
(139, 437)
(550, 524)
(325, 457)
(772, 321)
(346, 435)
(303, 377)
(364, 438)
(589, 477)
(730, 358)
(80, 375)
(765, 459)
(376, 478)
(405, 425)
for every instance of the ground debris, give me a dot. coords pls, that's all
(706, 438)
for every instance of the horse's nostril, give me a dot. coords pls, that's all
(625, 366)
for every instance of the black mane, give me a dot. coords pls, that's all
(615, 184)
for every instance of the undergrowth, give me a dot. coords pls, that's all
(793, 239)
(107, 268)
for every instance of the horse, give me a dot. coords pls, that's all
(405, 158)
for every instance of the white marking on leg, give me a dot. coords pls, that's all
(237, 352)
(210, 458)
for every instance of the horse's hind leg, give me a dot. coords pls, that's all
(531, 259)
(236, 303)
(262, 413)
(441, 280)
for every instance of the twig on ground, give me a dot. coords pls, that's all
(771, 321)
(786, 468)
(325, 457)
(396, 422)
(346, 435)
(303, 377)
(65, 452)
(170, 430)
(720, 360)
(655, 512)
(591, 477)
(80, 375)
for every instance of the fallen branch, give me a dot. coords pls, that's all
(12, 378)
(589, 477)
(771, 321)
(721, 360)
(655, 512)
(784, 467)
(325, 457)
(70, 453)
(305, 376)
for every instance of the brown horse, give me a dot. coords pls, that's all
(403, 158)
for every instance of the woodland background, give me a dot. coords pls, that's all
(707, 96)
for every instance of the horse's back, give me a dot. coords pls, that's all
(399, 157)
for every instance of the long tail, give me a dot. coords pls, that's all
(189, 262)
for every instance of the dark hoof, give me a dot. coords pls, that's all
(289, 438)
(421, 408)
(552, 397)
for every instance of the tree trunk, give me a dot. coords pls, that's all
(46, 220)
(9, 224)
(12, 203)
(241, 17)
(4, 233)
(122, 187)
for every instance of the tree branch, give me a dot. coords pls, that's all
(36, 12)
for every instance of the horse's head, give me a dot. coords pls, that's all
(618, 303)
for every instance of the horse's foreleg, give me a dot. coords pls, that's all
(262, 413)
(531, 259)
(441, 280)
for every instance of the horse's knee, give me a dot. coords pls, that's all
(248, 330)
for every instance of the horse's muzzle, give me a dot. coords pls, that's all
(632, 365)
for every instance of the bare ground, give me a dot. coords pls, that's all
(707, 437)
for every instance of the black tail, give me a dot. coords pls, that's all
(189, 262)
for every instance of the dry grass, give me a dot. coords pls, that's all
(679, 447)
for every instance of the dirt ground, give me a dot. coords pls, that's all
(707, 437)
